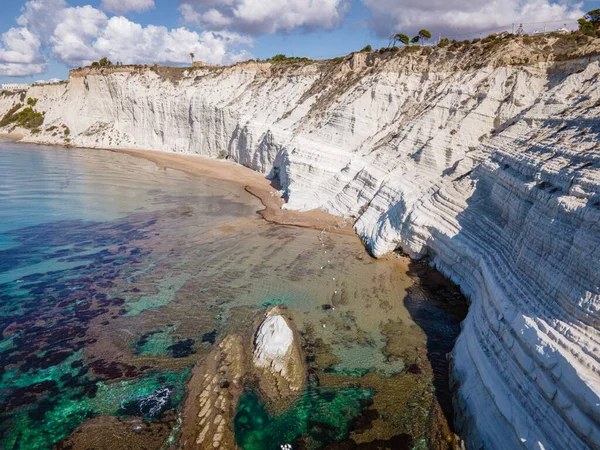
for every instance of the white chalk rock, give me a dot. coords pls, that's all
(273, 344)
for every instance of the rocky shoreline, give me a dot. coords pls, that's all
(274, 360)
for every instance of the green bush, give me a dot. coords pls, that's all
(287, 59)
(367, 49)
(489, 38)
(27, 118)
(32, 101)
(8, 117)
(445, 42)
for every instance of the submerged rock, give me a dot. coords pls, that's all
(214, 392)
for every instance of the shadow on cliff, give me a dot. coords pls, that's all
(500, 227)
(438, 307)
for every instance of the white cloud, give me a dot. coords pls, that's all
(461, 17)
(42, 16)
(260, 16)
(73, 38)
(77, 36)
(129, 42)
(20, 53)
(124, 6)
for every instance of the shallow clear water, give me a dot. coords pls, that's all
(116, 276)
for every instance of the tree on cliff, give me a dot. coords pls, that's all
(594, 17)
(424, 35)
(192, 56)
(589, 23)
(399, 37)
(415, 40)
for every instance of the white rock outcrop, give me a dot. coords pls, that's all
(276, 352)
(486, 160)
(273, 343)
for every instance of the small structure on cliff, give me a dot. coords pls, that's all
(15, 87)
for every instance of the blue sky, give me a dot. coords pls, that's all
(43, 39)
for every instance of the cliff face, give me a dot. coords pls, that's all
(484, 158)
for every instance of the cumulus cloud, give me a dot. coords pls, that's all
(126, 41)
(124, 6)
(260, 16)
(461, 17)
(72, 41)
(77, 36)
(20, 53)
(41, 17)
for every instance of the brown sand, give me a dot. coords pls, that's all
(12, 136)
(254, 183)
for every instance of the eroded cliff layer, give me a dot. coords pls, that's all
(483, 157)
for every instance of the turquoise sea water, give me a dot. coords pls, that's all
(77, 229)
(117, 276)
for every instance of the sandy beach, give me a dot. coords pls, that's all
(254, 183)
(12, 136)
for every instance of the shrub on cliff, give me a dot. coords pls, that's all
(367, 49)
(282, 59)
(27, 118)
(8, 117)
(104, 62)
(445, 42)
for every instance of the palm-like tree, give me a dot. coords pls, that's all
(192, 56)
(399, 37)
(424, 35)
(402, 38)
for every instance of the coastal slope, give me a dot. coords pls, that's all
(482, 157)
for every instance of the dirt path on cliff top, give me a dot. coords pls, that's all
(253, 182)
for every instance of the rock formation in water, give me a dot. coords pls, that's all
(278, 355)
(482, 157)
(214, 391)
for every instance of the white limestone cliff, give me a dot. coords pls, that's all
(483, 158)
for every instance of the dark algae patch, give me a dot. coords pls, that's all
(320, 416)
